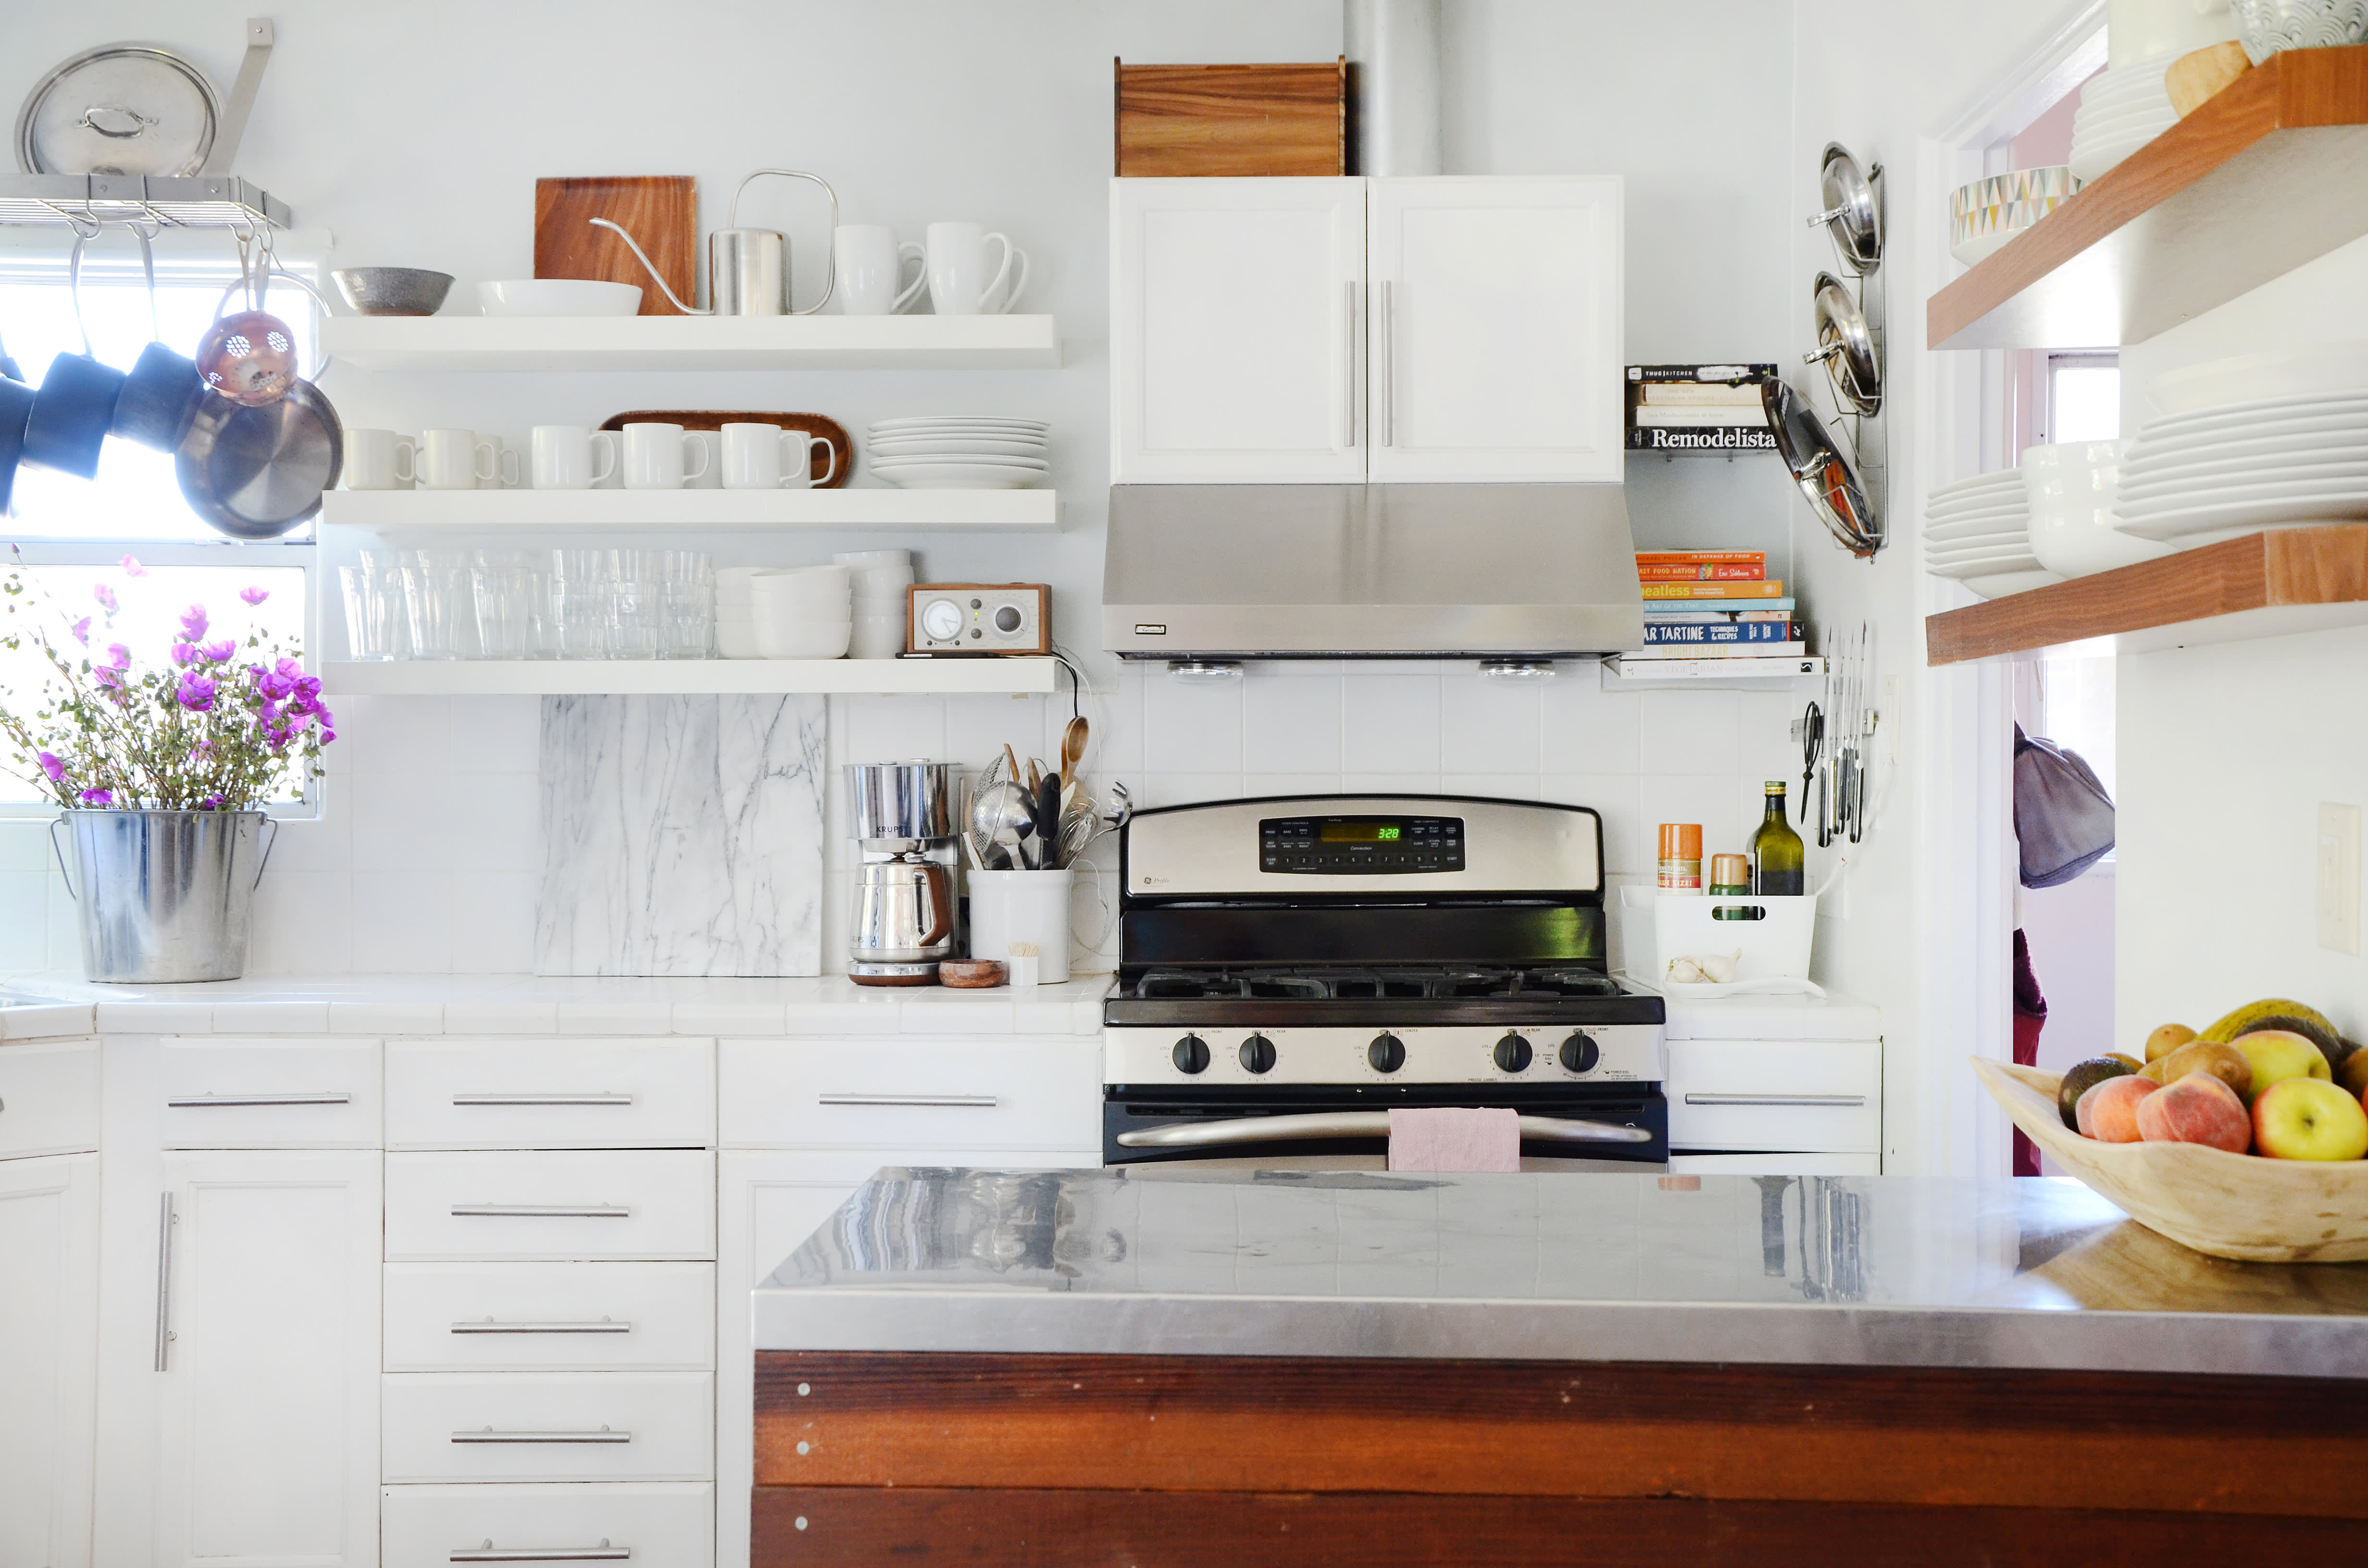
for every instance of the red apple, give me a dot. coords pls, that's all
(2196, 1109)
(2309, 1119)
(2108, 1112)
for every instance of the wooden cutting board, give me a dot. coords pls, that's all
(1223, 120)
(821, 425)
(661, 211)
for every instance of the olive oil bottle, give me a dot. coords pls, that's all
(1779, 861)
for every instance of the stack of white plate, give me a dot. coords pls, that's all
(1978, 532)
(2263, 441)
(880, 579)
(2121, 109)
(960, 452)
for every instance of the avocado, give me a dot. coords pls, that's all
(2079, 1079)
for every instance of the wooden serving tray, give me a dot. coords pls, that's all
(661, 211)
(821, 425)
(2235, 1206)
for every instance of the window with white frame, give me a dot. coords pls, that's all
(72, 537)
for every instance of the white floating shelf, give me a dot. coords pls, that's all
(693, 343)
(714, 511)
(516, 677)
(1736, 673)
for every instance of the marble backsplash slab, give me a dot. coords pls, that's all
(681, 835)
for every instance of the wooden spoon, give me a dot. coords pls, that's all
(1073, 747)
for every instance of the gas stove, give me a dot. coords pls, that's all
(1278, 1003)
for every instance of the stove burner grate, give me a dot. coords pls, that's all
(1371, 984)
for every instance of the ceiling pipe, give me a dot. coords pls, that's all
(1394, 88)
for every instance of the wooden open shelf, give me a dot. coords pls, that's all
(2264, 585)
(2270, 174)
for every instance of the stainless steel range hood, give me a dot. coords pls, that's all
(1397, 571)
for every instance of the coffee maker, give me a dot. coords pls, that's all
(908, 902)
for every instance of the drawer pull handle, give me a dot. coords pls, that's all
(1844, 1100)
(487, 1434)
(542, 1212)
(543, 1099)
(489, 1553)
(951, 1102)
(199, 1102)
(488, 1325)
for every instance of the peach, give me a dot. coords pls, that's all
(2108, 1112)
(2196, 1109)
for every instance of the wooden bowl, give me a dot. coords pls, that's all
(2234, 1206)
(971, 974)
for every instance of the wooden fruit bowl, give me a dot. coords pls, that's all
(2234, 1206)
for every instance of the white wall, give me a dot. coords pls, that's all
(418, 142)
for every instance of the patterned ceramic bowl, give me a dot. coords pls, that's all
(1985, 215)
(2268, 26)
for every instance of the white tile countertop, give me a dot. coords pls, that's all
(1797, 1016)
(42, 1006)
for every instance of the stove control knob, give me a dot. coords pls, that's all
(1513, 1053)
(1387, 1053)
(1257, 1055)
(1191, 1054)
(1579, 1054)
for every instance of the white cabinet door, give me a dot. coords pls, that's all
(49, 1358)
(1233, 330)
(1495, 329)
(266, 1399)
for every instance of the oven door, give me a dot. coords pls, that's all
(1346, 1127)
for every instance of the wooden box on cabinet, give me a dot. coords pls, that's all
(1204, 121)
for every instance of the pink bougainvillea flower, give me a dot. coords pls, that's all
(119, 657)
(104, 595)
(183, 653)
(255, 596)
(97, 797)
(81, 630)
(210, 803)
(131, 567)
(219, 653)
(194, 622)
(196, 693)
(52, 766)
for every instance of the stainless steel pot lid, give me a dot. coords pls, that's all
(1853, 215)
(258, 472)
(123, 109)
(1845, 345)
(1824, 473)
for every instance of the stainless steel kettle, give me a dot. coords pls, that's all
(748, 269)
(903, 921)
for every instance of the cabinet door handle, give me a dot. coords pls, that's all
(542, 1212)
(489, 1553)
(543, 1099)
(489, 1326)
(951, 1102)
(199, 1102)
(1349, 347)
(1389, 364)
(163, 1278)
(487, 1434)
(1777, 1099)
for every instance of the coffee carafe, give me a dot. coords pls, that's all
(906, 904)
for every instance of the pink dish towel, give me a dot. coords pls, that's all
(1455, 1139)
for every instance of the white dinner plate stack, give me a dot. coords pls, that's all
(2260, 441)
(2121, 109)
(960, 452)
(1978, 532)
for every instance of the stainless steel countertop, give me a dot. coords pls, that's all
(1842, 1271)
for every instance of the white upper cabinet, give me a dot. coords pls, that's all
(1494, 329)
(1235, 306)
(1336, 331)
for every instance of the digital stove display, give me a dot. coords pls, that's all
(1333, 845)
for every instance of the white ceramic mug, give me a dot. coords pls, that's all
(871, 269)
(380, 460)
(497, 465)
(458, 459)
(959, 283)
(766, 457)
(570, 457)
(707, 473)
(656, 457)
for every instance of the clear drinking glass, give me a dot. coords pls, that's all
(440, 603)
(576, 604)
(502, 590)
(686, 628)
(377, 627)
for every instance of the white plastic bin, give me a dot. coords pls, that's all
(1775, 946)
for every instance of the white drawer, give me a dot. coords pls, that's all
(550, 1317)
(659, 1524)
(304, 1093)
(639, 1204)
(884, 1092)
(548, 1427)
(49, 1098)
(1776, 1165)
(1806, 1096)
(551, 1093)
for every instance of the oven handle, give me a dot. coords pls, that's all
(1351, 1124)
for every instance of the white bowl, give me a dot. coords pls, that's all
(735, 642)
(557, 297)
(805, 640)
(2325, 367)
(861, 561)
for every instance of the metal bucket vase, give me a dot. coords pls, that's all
(164, 895)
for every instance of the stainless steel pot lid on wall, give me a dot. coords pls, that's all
(1847, 346)
(1825, 473)
(1853, 209)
